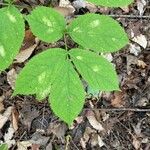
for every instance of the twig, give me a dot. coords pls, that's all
(130, 16)
(120, 109)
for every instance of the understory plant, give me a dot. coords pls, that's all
(58, 73)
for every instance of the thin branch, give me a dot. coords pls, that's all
(119, 109)
(130, 16)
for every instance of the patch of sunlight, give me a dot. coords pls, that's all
(114, 39)
(79, 57)
(77, 29)
(50, 30)
(2, 51)
(47, 22)
(95, 23)
(95, 68)
(45, 92)
(41, 77)
(11, 17)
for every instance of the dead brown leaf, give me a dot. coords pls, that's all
(15, 119)
(29, 44)
(117, 101)
(93, 121)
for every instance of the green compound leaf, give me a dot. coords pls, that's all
(98, 32)
(40, 72)
(46, 23)
(3, 147)
(96, 70)
(51, 73)
(67, 96)
(111, 3)
(11, 35)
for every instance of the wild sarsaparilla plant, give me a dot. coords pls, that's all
(57, 72)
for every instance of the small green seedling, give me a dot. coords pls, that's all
(56, 73)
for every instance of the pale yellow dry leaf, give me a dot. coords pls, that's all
(94, 123)
(25, 54)
(141, 64)
(141, 40)
(5, 116)
(23, 145)
(11, 77)
(65, 11)
(15, 118)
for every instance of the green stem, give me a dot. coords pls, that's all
(65, 41)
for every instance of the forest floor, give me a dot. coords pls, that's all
(109, 120)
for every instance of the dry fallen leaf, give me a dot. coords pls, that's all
(125, 9)
(1, 103)
(26, 117)
(24, 55)
(141, 40)
(65, 8)
(49, 146)
(29, 40)
(39, 139)
(136, 143)
(65, 11)
(97, 140)
(140, 6)
(92, 120)
(117, 101)
(23, 145)
(58, 129)
(15, 119)
(29, 44)
(11, 77)
(86, 136)
(134, 49)
(79, 4)
(5, 116)
(141, 64)
(8, 137)
(91, 7)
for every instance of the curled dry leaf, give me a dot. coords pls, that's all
(93, 121)
(29, 44)
(141, 5)
(24, 55)
(15, 119)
